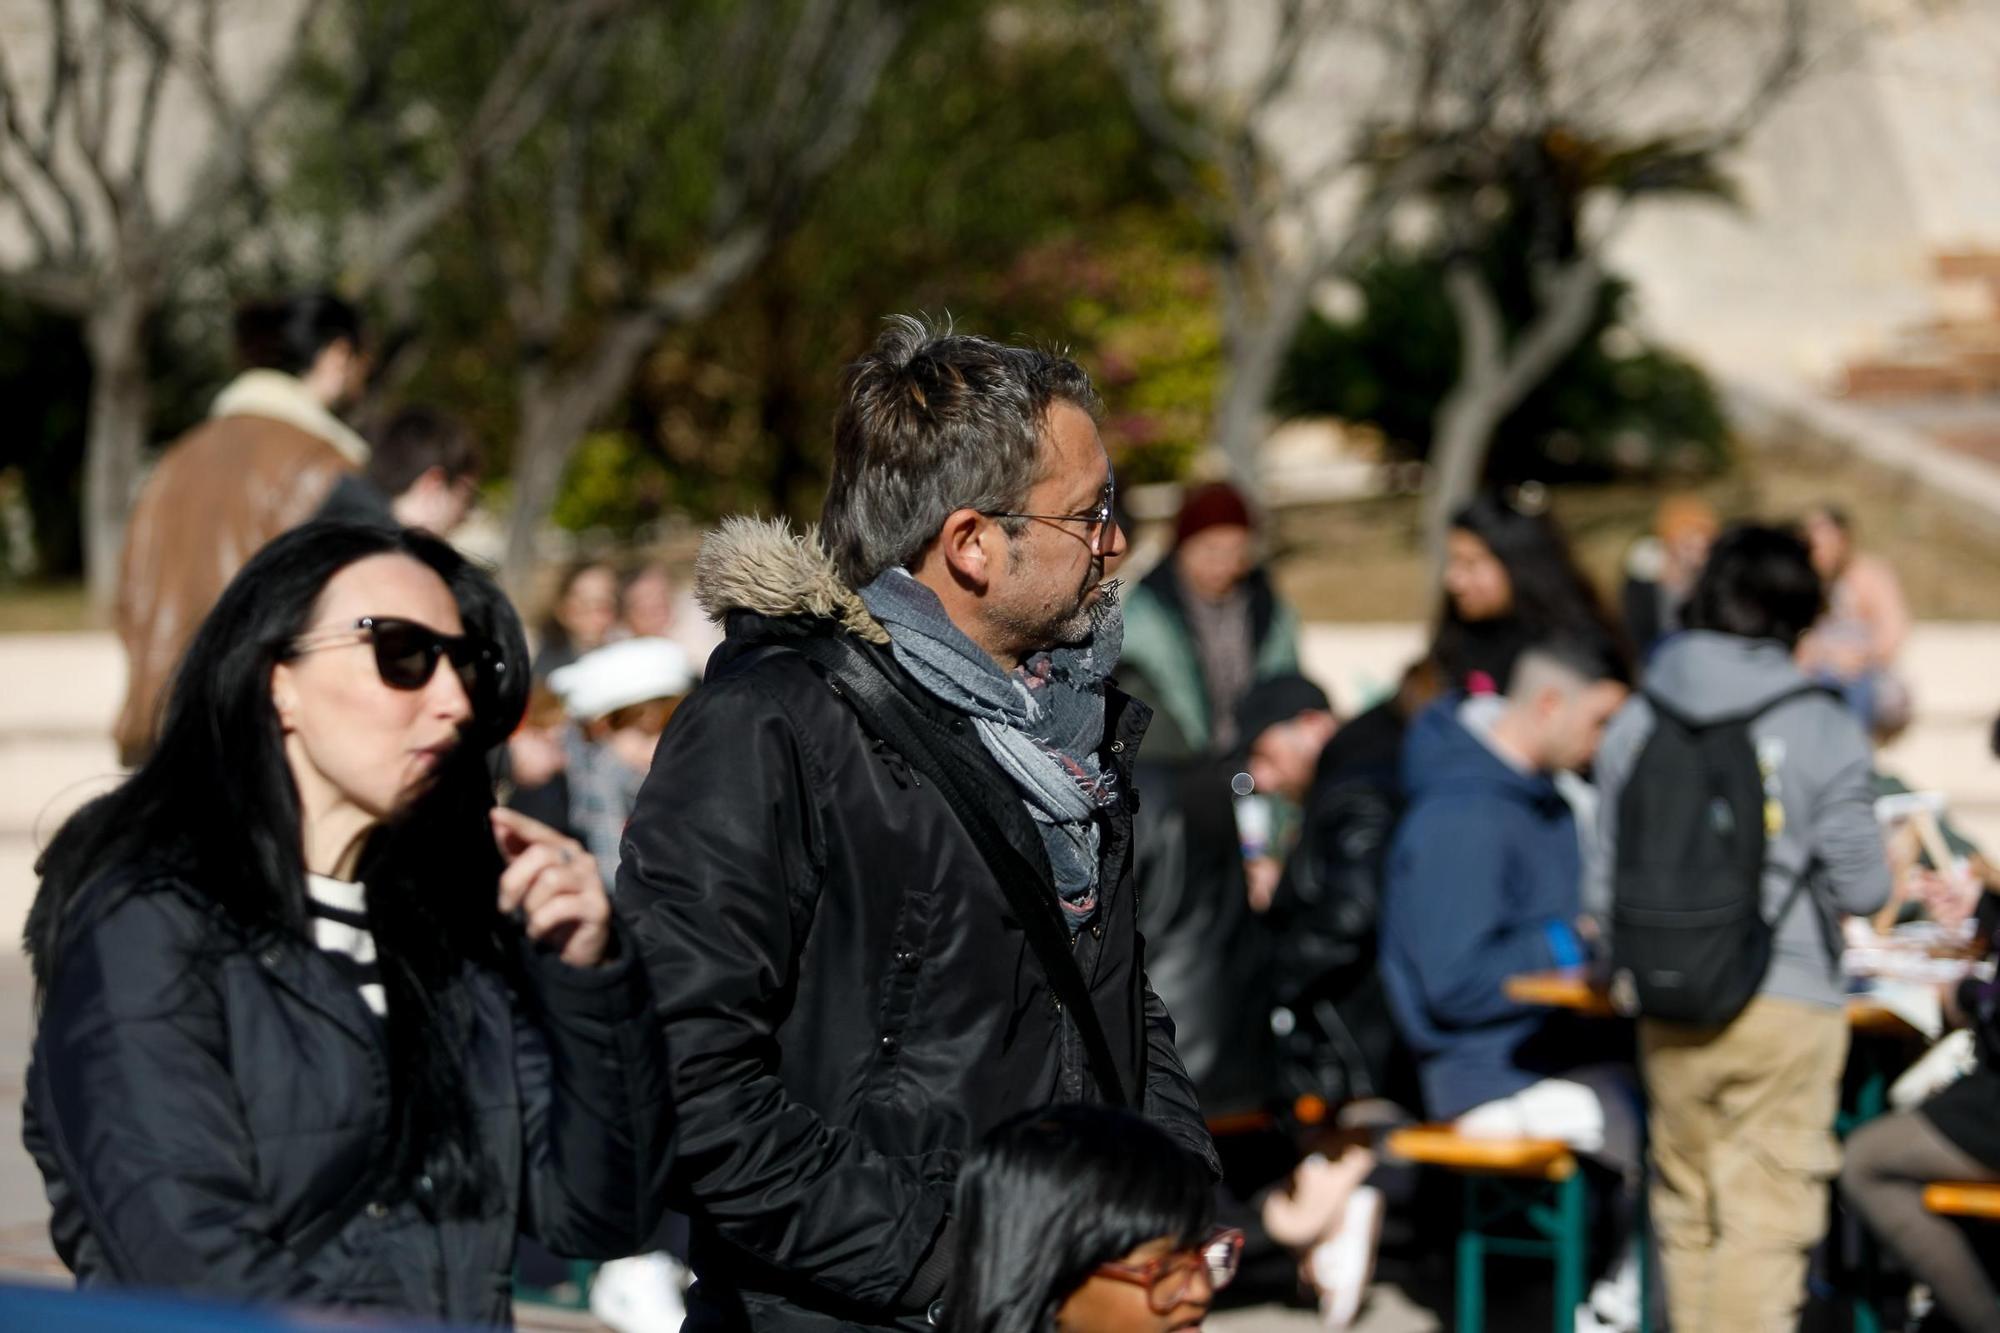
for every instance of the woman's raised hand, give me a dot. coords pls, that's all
(552, 882)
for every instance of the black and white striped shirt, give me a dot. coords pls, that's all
(339, 910)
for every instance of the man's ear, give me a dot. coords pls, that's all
(969, 546)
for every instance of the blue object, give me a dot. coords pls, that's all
(30, 1309)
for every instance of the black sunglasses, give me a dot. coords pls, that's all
(406, 653)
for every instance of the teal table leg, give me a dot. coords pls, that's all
(1870, 1101)
(1572, 1243)
(1644, 1230)
(1471, 1263)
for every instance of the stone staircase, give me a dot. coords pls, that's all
(1941, 376)
(1953, 354)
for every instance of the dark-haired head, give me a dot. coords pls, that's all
(1049, 1197)
(1510, 580)
(1759, 583)
(288, 334)
(418, 440)
(427, 464)
(1560, 696)
(584, 611)
(217, 808)
(932, 421)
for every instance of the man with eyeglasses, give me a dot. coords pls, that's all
(881, 871)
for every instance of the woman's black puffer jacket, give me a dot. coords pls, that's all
(200, 1102)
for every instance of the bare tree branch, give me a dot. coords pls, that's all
(1136, 31)
(62, 69)
(557, 286)
(145, 128)
(529, 80)
(39, 153)
(856, 69)
(1294, 27)
(93, 111)
(812, 35)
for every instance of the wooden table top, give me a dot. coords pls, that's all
(1576, 992)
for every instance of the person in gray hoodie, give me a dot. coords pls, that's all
(1742, 1115)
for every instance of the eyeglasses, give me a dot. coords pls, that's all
(406, 653)
(1097, 522)
(1169, 1279)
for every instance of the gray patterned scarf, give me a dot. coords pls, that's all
(1042, 723)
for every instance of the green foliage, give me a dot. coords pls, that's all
(45, 381)
(1615, 405)
(999, 181)
(611, 484)
(45, 376)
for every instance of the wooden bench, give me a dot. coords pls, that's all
(1444, 1147)
(1509, 1182)
(1950, 1198)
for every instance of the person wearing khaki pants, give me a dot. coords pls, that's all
(1743, 1156)
(1742, 1114)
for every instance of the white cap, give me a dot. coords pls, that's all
(617, 675)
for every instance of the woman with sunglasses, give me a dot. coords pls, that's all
(318, 1025)
(1085, 1219)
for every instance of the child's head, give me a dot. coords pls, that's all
(1085, 1219)
(622, 695)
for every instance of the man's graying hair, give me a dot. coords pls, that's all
(931, 421)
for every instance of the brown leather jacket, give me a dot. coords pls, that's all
(221, 491)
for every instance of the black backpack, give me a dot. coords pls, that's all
(1689, 942)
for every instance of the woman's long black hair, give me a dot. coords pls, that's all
(1552, 598)
(1051, 1195)
(216, 810)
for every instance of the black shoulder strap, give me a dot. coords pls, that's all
(1682, 720)
(892, 720)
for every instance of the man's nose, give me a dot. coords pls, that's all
(1111, 543)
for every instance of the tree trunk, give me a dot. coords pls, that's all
(1259, 334)
(557, 407)
(120, 403)
(781, 411)
(1460, 442)
(1493, 378)
(541, 454)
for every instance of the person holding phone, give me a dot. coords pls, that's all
(319, 1025)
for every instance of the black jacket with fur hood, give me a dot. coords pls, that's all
(849, 1003)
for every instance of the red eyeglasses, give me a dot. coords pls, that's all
(1169, 1278)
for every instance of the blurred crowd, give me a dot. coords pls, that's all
(1334, 904)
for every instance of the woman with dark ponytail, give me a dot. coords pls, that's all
(317, 1024)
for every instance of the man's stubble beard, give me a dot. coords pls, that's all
(1077, 624)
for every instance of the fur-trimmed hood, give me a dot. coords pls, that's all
(768, 567)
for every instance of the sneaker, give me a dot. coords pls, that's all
(1306, 1210)
(1615, 1299)
(640, 1295)
(1588, 1321)
(1343, 1265)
